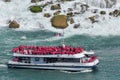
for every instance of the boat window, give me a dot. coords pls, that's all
(76, 60)
(36, 59)
(52, 60)
(24, 59)
(87, 55)
(71, 60)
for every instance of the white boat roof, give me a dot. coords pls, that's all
(89, 53)
(51, 56)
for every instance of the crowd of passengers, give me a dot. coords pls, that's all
(47, 50)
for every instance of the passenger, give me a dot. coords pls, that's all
(15, 59)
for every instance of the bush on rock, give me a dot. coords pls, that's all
(102, 12)
(35, 9)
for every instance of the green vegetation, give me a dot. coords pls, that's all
(35, 9)
(102, 12)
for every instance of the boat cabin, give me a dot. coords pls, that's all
(35, 59)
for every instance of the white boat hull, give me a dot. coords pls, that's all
(55, 66)
(75, 68)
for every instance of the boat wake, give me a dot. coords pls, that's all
(3, 65)
(76, 72)
(53, 38)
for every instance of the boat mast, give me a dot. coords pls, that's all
(63, 41)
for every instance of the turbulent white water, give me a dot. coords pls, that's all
(19, 11)
(101, 3)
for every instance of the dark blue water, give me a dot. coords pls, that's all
(107, 48)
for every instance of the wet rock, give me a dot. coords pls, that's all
(76, 13)
(84, 7)
(59, 21)
(70, 14)
(13, 24)
(34, 1)
(72, 21)
(7, 0)
(57, 13)
(47, 15)
(76, 25)
(111, 13)
(70, 9)
(44, 5)
(93, 19)
(94, 10)
(66, 0)
(81, 7)
(115, 13)
(55, 7)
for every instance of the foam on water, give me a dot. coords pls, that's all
(2, 65)
(31, 21)
(23, 37)
(76, 72)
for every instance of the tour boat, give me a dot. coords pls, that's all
(53, 58)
